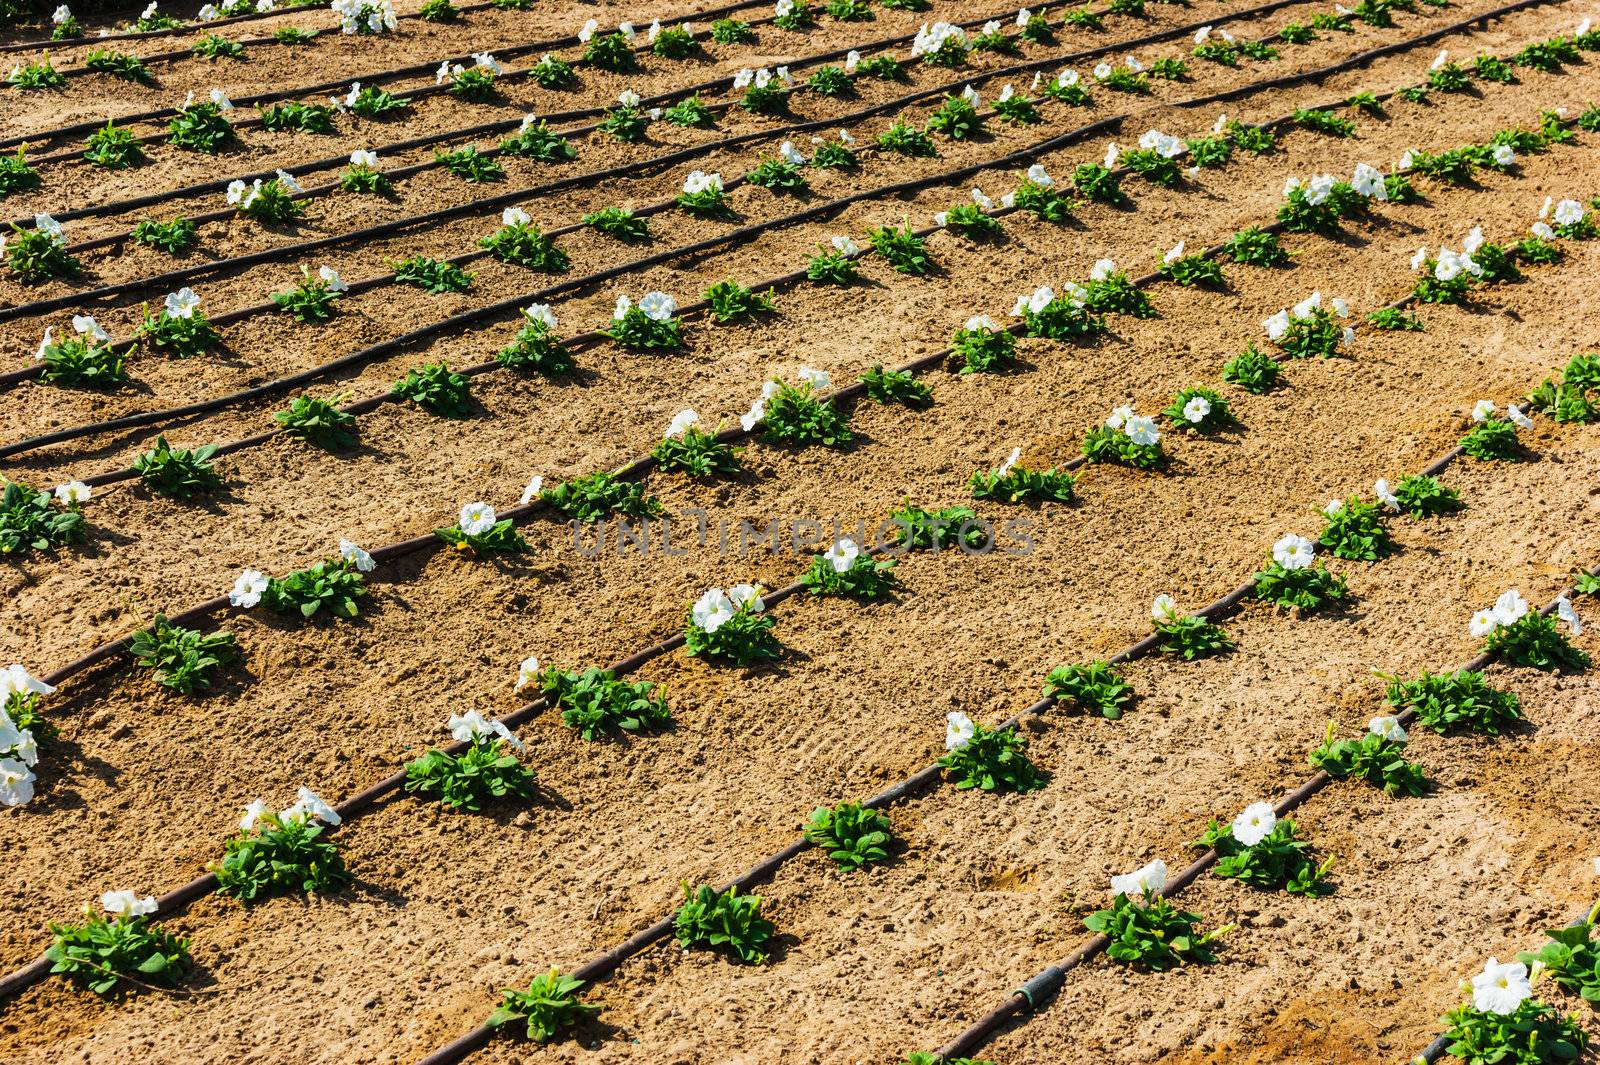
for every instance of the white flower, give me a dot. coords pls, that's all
(540, 313)
(711, 610)
(658, 306)
(1068, 78)
(1504, 155)
(1319, 188)
(1483, 410)
(1438, 60)
(1011, 460)
(1568, 213)
(1277, 325)
(817, 379)
(1333, 508)
(1510, 607)
(1254, 824)
(1566, 613)
(220, 98)
(1141, 430)
(852, 60)
(1174, 253)
(1119, 417)
(16, 783)
(790, 154)
(287, 180)
(1368, 181)
(1163, 609)
(1132, 64)
(757, 411)
(1035, 302)
(1518, 418)
(1202, 33)
(1293, 552)
(1112, 151)
(1306, 307)
(311, 806)
(1163, 144)
(534, 487)
(844, 246)
(1150, 878)
(699, 181)
(1500, 988)
(588, 30)
(527, 673)
(514, 216)
(1196, 410)
(127, 904)
(970, 95)
(26, 748)
(783, 8)
(1482, 623)
(682, 422)
(628, 98)
(14, 680)
(476, 518)
(182, 303)
(252, 814)
(1039, 175)
(355, 556)
(747, 596)
(983, 201)
(364, 157)
(45, 224)
(248, 588)
(85, 325)
(73, 492)
(1544, 211)
(958, 730)
(61, 14)
(1542, 231)
(1387, 727)
(487, 61)
(1385, 496)
(981, 321)
(331, 278)
(842, 555)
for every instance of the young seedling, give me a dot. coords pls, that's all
(595, 702)
(1462, 701)
(732, 627)
(86, 359)
(178, 473)
(113, 148)
(485, 772)
(32, 520)
(281, 853)
(845, 570)
(619, 224)
(173, 237)
(182, 659)
(1149, 931)
(988, 759)
(311, 301)
(97, 953)
(40, 253)
(1188, 635)
(723, 920)
(895, 386)
(1294, 579)
(548, 1008)
(1252, 371)
(1355, 530)
(432, 275)
(180, 329)
(1014, 483)
(319, 422)
(536, 346)
(652, 324)
(601, 495)
(1260, 849)
(1092, 688)
(521, 242)
(478, 531)
(1378, 757)
(797, 416)
(853, 835)
(537, 141)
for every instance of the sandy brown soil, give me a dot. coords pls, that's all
(145, 786)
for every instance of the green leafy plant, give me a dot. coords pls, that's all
(703, 197)
(619, 224)
(30, 520)
(920, 529)
(1209, 152)
(1492, 439)
(478, 532)
(484, 772)
(180, 328)
(537, 141)
(199, 128)
(895, 386)
(183, 659)
(332, 584)
(470, 165)
(1324, 122)
(1093, 687)
(298, 118)
(731, 31)
(901, 248)
(796, 416)
(1154, 167)
(646, 325)
(97, 953)
(830, 81)
(903, 138)
(731, 627)
(833, 266)
(536, 346)
(1016, 483)
(853, 835)
(1114, 444)
(1252, 371)
(696, 453)
(595, 702)
(847, 571)
(1279, 862)
(993, 760)
(723, 920)
(293, 35)
(437, 390)
(365, 177)
(1459, 701)
(1392, 319)
(674, 42)
(1153, 933)
(549, 1007)
(1532, 1034)
(969, 220)
(312, 299)
(1190, 635)
(267, 202)
(1355, 530)
(779, 175)
(1192, 270)
(373, 102)
(39, 254)
(522, 243)
(173, 237)
(691, 113)
(1375, 757)
(1533, 640)
(1306, 588)
(601, 495)
(1042, 201)
(319, 422)
(37, 75)
(610, 51)
(178, 473)
(119, 65)
(474, 84)
(1572, 958)
(1099, 184)
(113, 148)
(1257, 140)
(1423, 496)
(86, 360)
(432, 275)
(769, 98)
(553, 72)
(957, 118)
(437, 11)
(286, 854)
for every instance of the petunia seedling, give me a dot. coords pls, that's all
(851, 834)
(1377, 757)
(486, 771)
(282, 853)
(732, 626)
(1451, 702)
(1260, 849)
(548, 1008)
(1094, 687)
(100, 951)
(595, 703)
(436, 389)
(723, 920)
(988, 759)
(178, 473)
(845, 570)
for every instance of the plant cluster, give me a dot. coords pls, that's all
(436, 389)
(485, 772)
(282, 853)
(723, 920)
(1463, 700)
(853, 835)
(1093, 687)
(34, 520)
(182, 659)
(988, 759)
(480, 531)
(319, 422)
(1260, 849)
(549, 1007)
(178, 473)
(845, 570)
(98, 952)
(1377, 757)
(731, 626)
(312, 299)
(595, 702)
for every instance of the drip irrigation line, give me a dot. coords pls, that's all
(513, 304)
(506, 125)
(377, 77)
(364, 800)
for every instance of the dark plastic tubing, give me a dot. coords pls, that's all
(819, 210)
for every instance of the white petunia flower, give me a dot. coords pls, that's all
(747, 596)
(1510, 607)
(356, 557)
(1141, 430)
(247, 589)
(1542, 231)
(1102, 269)
(1333, 508)
(15, 680)
(588, 30)
(658, 306)
(981, 321)
(16, 783)
(1112, 152)
(1011, 460)
(1293, 552)
(844, 246)
(331, 278)
(309, 805)
(817, 379)
(1518, 418)
(1254, 824)
(1500, 989)
(1439, 60)
(1385, 496)
(1174, 253)
(527, 673)
(1389, 728)
(712, 610)
(252, 814)
(682, 422)
(182, 303)
(364, 157)
(842, 555)
(852, 60)
(1196, 410)
(476, 518)
(126, 904)
(534, 487)
(790, 154)
(1482, 623)
(1566, 613)
(1150, 878)
(1119, 417)
(26, 748)
(1277, 325)
(1504, 155)
(1568, 213)
(958, 730)
(753, 416)
(73, 493)
(699, 181)
(220, 99)
(1368, 181)
(628, 98)
(1164, 609)
(1483, 410)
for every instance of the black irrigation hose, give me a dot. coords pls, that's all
(180, 897)
(385, 347)
(1044, 985)
(1437, 1049)
(377, 77)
